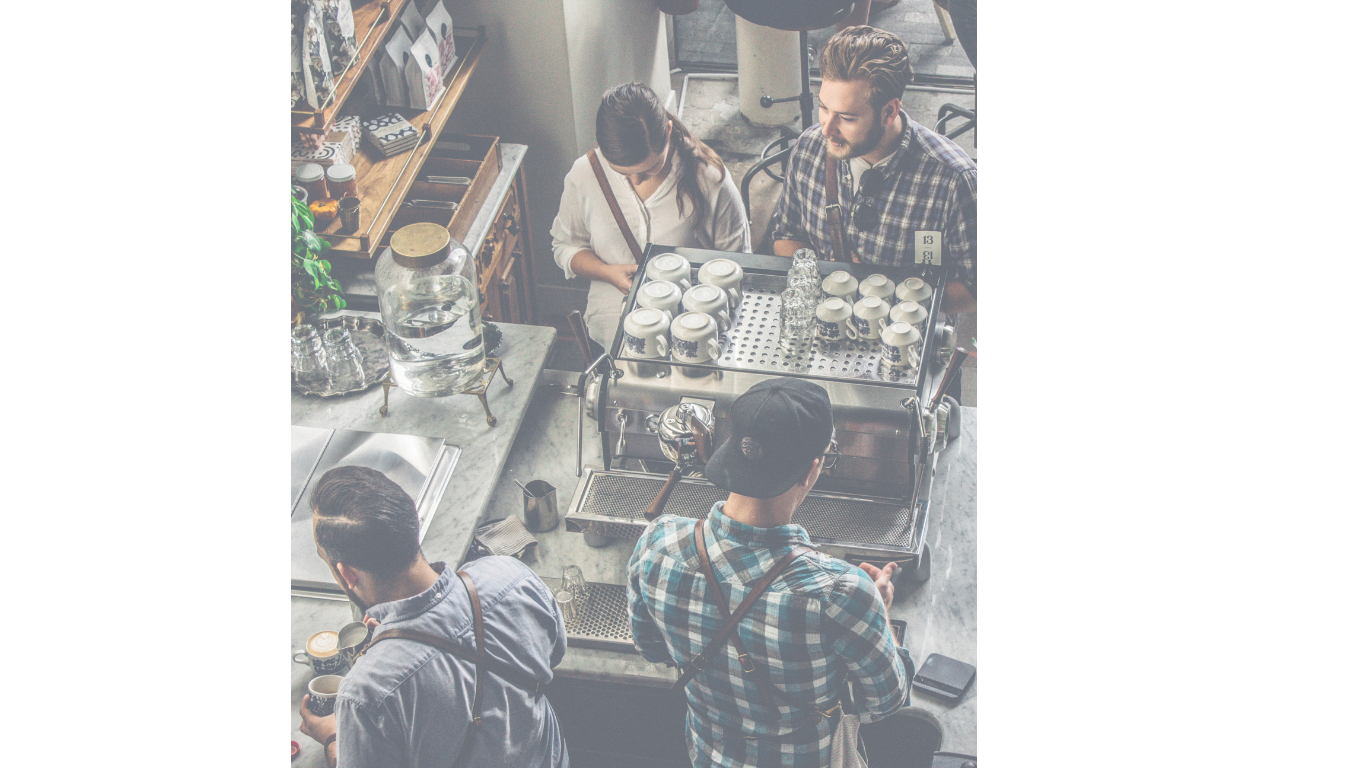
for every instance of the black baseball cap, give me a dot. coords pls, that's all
(777, 428)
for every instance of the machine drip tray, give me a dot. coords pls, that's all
(612, 503)
(604, 619)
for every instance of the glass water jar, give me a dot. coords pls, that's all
(429, 303)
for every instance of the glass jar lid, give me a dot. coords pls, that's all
(341, 172)
(420, 245)
(309, 173)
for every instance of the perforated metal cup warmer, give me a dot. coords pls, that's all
(872, 502)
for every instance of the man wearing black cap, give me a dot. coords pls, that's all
(769, 696)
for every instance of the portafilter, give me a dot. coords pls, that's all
(685, 437)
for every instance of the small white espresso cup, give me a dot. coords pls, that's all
(671, 267)
(710, 300)
(877, 285)
(870, 317)
(913, 289)
(899, 344)
(694, 337)
(726, 275)
(646, 333)
(908, 312)
(840, 285)
(662, 295)
(834, 320)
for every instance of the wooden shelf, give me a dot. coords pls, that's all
(383, 13)
(384, 182)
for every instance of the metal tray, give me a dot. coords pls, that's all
(604, 619)
(368, 334)
(751, 342)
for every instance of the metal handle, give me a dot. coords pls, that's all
(657, 506)
(621, 439)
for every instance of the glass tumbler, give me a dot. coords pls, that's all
(574, 582)
(569, 607)
(804, 281)
(307, 358)
(798, 318)
(345, 370)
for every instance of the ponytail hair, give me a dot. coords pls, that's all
(632, 125)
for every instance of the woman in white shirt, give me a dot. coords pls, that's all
(672, 189)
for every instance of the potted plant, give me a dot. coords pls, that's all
(313, 290)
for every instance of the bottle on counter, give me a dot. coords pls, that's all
(341, 181)
(429, 304)
(310, 176)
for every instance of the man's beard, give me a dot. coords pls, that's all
(860, 149)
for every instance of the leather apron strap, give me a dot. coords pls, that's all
(616, 209)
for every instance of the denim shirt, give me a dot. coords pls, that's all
(408, 704)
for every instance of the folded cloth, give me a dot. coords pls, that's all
(508, 536)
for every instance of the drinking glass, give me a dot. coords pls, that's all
(569, 607)
(798, 318)
(345, 370)
(307, 358)
(574, 582)
(804, 281)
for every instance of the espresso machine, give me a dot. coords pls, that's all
(659, 420)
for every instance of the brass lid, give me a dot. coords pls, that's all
(420, 245)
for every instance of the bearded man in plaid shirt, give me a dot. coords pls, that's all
(820, 628)
(895, 176)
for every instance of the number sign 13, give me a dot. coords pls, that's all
(927, 247)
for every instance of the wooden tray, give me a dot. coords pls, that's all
(482, 171)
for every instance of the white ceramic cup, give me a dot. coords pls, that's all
(877, 285)
(908, 312)
(899, 344)
(726, 275)
(645, 333)
(711, 300)
(671, 267)
(870, 317)
(662, 295)
(834, 320)
(694, 338)
(913, 289)
(840, 285)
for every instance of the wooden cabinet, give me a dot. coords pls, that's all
(383, 182)
(506, 278)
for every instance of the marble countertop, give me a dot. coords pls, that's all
(940, 615)
(483, 450)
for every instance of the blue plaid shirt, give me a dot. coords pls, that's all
(931, 185)
(819, 626)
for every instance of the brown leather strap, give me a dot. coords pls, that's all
(616, 209)
(730, 630)
(513, 676)
(478, 612)
(833, 218)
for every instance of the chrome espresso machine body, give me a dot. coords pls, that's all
(872, 505)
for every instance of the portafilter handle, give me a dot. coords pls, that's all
(955, 362)
(580, 331)
(657, 506)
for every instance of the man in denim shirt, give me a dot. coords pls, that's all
(405, 703)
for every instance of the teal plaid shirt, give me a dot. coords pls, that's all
(819, 626)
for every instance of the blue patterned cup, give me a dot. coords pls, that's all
(695, 338)
(322, 694)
